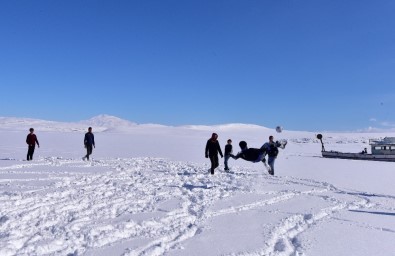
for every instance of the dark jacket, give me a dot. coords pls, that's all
(213, 148)
(272, 148)
(228, 149)
(251, 154)
(31, 140)
(89, 139)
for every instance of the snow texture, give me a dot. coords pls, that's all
(148, 191)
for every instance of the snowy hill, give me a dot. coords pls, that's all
(108, 121)
(23, 124)
(147, 191)
(101, 123)
(225, 127)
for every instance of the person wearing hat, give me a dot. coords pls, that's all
(31, 140)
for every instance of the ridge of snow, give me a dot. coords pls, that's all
(107, 121)
(23, 124)
(231, 126)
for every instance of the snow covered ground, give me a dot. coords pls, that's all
(148, 191)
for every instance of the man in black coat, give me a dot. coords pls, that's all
(258, 154)
(212, 150)
(89, 142)
(271, 148)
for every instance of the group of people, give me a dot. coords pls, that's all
(254, 155)
(31, 141)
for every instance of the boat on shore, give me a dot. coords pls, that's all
(382, 150)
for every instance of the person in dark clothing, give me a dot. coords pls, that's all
(250, 154)
(89, 142)
(31, 140)
(258, 154)
(212, 150)
(228, 151)
(271, 148)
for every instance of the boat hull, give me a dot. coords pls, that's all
(358, 156)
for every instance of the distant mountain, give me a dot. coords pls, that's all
(100, 123)
(234, 126)
(23, 124)
(107, 121)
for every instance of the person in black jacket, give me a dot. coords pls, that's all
(212, 150)
(89, 142)
(250, 154)
(271, 148)
(258, 154)
(31, 140)
(228, 151)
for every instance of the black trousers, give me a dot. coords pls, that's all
(89, 149)
(30, 152)
(214, 162)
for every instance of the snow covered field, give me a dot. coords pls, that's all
(148, 191)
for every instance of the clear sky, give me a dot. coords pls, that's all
(305, 65)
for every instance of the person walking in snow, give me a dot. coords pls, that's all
(212, 150)
(89, 142)
(228, 151)
(31, 140)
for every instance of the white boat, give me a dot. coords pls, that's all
(382, 150)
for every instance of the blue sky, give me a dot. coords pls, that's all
(305, 65)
